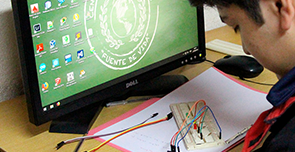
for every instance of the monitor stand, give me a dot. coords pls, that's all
(77, 122)
(80, 121)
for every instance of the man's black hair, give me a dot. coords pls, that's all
(252, 7)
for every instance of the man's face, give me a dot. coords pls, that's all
(264, 42)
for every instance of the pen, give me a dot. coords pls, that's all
(238, 135)
(122, 102)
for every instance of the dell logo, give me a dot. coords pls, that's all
(131, 83)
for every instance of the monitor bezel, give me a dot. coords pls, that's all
(27, 58)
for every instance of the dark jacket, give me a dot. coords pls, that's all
(279, 120)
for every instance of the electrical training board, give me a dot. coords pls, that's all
(210, 131)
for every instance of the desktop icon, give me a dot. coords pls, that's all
(34, 8)
(60, 2)
(66, 39)
(45, 86)
(82, 73)
(49, 25)
(47, 5)
(37, 28)
(57, 81)
(90, 32)
(55, 62)
(63, 21)
(78, 36)
(89, 15)
(92, 50)
(76, 17)
(52, 44)
(70, 76)
(42, 67)
(39, 47)
(68, 58)
(80, 54)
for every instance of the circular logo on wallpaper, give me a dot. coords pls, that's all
(120, 32)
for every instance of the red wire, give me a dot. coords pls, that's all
(126, 131)
(195, 104)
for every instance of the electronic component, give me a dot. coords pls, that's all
(93, 58)
(204, 132)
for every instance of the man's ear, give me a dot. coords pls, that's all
(287, 13)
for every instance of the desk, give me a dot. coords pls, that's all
(18, 134)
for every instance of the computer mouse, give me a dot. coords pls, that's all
(239, 65)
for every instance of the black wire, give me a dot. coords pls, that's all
(79, 145)
(108, 134)
(267, 84)
(210, 61)
(59, 145)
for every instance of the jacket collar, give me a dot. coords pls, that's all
(283, 89)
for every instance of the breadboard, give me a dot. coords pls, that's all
(193, 139)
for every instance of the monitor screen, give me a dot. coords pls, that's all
(77, 52)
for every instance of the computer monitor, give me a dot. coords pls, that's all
(78, 54)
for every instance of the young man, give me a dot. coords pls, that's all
(267, 29)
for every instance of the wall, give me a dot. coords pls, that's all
(212, 19)
(10, 74)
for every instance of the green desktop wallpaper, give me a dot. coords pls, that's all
(80, 44)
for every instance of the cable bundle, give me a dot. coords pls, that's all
(197, 121)
(118, 133)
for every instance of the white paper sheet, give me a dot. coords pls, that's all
(234, 105)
